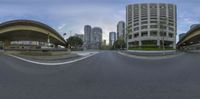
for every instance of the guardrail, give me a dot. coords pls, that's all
(44, 50)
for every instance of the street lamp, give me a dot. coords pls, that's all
(162, 32)
(48, 40)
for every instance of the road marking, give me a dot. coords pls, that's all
(60, 63)
(150, 58)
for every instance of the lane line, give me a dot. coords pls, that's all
(60, 63)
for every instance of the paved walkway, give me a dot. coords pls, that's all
(151, 53)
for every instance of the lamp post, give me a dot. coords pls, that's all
(48, 40)
(162, 33)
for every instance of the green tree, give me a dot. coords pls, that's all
(74, 42)
(128, 31)
(119, 44)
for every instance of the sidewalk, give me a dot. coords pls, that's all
(84, 53)
(151, 53)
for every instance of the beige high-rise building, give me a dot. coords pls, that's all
(151, 24)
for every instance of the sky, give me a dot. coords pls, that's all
(70, 16)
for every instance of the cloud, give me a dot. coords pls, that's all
(72, 15)
(62, 26)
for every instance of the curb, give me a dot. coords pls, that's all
(150, 57)
(52, 64)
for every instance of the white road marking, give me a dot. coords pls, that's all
(60, 63)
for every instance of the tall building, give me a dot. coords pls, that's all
(112, 38)
(92, 37)
(96, 38)
(87, 36)
(149, 24)
(121, 30)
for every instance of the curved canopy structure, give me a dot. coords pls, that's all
(192, 37)
(29, 30)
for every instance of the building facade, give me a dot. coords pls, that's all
(96, 39)
(151, 25)
(112, 38)
(121, 30)
(87, 34)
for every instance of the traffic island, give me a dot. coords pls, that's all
(53, 58)
(42, 54)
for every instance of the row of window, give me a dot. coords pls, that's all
(146, 22)
(153, 27)
(152, 33)
(152, 18)
(152, 7)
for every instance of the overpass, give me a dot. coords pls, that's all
(29, 30)
(191, 41)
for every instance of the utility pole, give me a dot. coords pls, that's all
(48, 40)
(162, 32)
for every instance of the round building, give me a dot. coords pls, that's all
(151, 25)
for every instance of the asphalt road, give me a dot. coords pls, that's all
(107, 75)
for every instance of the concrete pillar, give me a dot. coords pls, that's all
(6, 44)
(140, 43)
(158, 42)
(174, 45)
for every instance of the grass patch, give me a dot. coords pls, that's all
(35, 53)
(150, 48)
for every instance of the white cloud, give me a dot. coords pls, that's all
(61, 26)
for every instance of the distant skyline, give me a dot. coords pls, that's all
(66, 16)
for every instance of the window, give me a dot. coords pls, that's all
(153, 26)
(171, 24)
(153, 18)
(163, 27)
(171, 35)
(154, 22)
(136, 24)
(144, 19)
(130, 37)
(136, 20)
(163, 22)
(144, 27)
(171, 29)
(136, 35)
(163, 33)
(136, 28)
(153, 33)
(144, 22)
(145, 33)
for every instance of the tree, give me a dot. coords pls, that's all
(128, 31)
(74, 41)
(119, 44)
